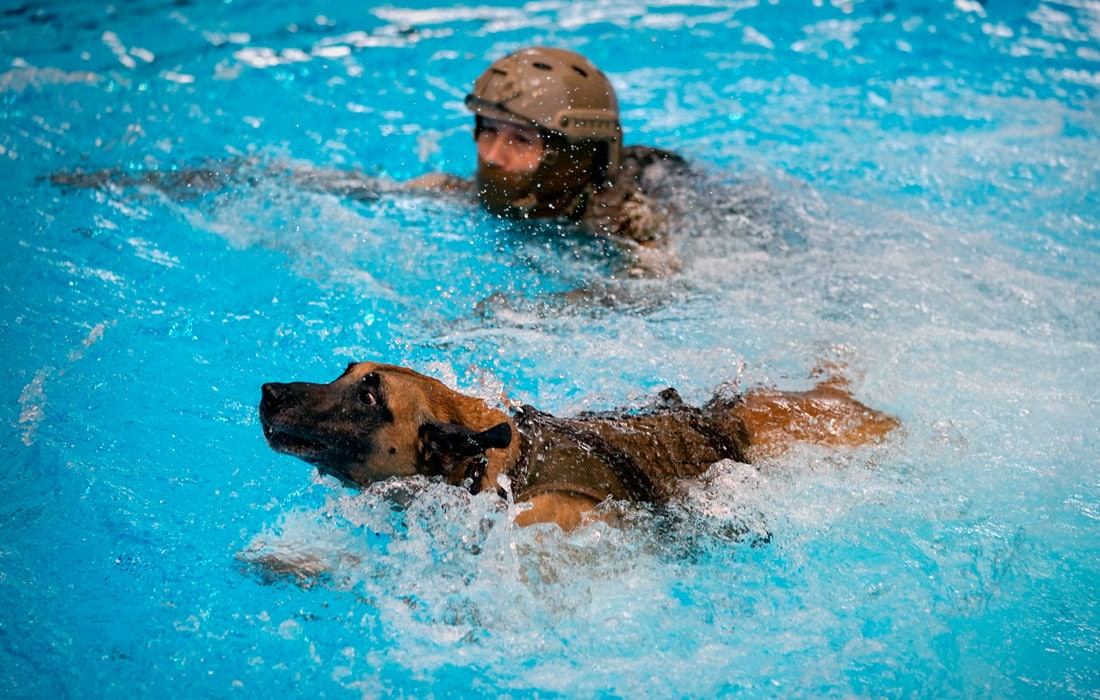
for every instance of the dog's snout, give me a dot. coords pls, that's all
(272, 393)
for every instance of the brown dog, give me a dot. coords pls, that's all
(375, 422)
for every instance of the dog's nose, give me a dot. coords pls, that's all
(272, 392)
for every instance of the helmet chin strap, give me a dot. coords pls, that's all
(550, 156)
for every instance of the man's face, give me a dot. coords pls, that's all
(508, 157)
(523, 172)
(513, 148)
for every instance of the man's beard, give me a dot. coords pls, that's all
(505, 193)
(551, 190)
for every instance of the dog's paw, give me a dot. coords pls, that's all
(274, 561)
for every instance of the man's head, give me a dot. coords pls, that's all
(547, 126)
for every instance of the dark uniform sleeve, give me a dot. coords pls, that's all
(632, 208)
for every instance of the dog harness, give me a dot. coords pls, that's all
(558, 455)
(571, 455)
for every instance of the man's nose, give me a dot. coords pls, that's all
(495, 150)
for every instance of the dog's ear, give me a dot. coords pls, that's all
(497, 437)
(446, 446)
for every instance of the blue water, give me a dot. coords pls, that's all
(909, 190)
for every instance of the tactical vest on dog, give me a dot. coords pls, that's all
(632, 457)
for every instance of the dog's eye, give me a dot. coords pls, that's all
(369, 387)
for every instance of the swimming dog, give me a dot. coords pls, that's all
(377, 422)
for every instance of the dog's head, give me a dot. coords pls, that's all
(380, 421)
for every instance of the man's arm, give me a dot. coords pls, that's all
(188, 183)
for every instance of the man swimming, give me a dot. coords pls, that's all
(549, 146)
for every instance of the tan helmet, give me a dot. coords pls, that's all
(554, 89)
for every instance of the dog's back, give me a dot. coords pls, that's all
(626, 455)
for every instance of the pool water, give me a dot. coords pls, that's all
(910, 191)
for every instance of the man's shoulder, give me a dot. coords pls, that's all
(644, 156)
(440, 182)
(653, 169)
(641, 161)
